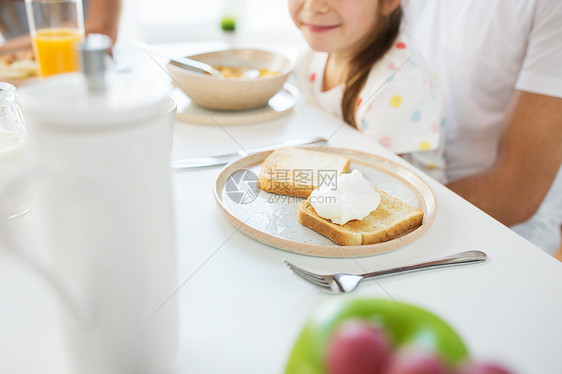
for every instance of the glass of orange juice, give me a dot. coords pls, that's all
(56, 28)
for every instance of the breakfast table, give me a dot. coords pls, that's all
(241, 309)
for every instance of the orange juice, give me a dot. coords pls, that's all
(55, 50)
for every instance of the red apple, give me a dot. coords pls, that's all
(409, 362)
(484, 368)
(357, 347)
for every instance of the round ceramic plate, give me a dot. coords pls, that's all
(278, 105)
(272, 219)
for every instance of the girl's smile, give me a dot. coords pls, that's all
(319, 28)
(336, 26)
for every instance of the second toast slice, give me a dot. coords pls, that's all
(297, 172)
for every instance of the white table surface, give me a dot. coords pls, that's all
(241, 309)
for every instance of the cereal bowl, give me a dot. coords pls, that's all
(234, 93)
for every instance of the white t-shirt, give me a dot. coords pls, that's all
(401, 105)
(484, 51)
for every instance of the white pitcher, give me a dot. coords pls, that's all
(103, 211)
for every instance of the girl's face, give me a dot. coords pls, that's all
(335, 26)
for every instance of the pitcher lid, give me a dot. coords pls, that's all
(65, 100)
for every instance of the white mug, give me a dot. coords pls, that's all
(102, 210)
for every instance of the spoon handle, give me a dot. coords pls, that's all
(178, 60)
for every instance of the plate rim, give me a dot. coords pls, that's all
(328, 251)
(260, 114)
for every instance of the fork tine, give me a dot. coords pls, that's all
(313, 275)
(305, 272)
(307, 275)
(320, 282)
(315, 282)
(310, 275)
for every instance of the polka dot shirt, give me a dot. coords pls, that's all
(400, 107)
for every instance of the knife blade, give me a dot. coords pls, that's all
(223, 159)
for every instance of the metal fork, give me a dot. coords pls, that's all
(343, 282)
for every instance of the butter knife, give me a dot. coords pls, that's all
(224, 159)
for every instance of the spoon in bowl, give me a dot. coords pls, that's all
(187, 63)
(183, 62)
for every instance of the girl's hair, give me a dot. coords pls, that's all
(358, 71)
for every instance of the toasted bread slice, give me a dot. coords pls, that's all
(392, 218)
(297, 172)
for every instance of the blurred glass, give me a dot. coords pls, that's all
(12, 150)
(56, 28)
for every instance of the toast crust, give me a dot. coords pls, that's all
(278, 173)
(392, 218)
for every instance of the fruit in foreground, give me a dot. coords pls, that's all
(484, 368)
(404, 325)
(357, 347)
(416, 363)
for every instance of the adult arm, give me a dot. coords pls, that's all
(529, 156)
(20, 42)
(103, 17)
